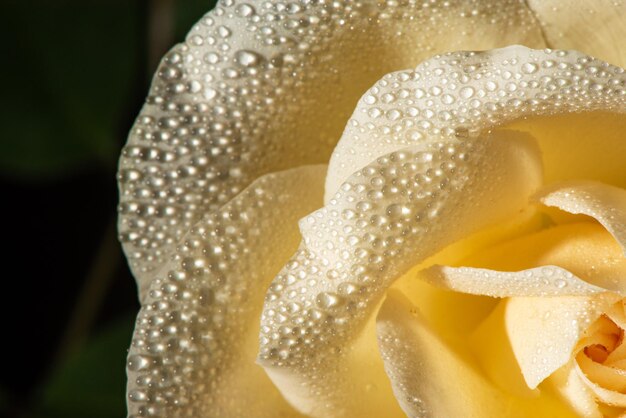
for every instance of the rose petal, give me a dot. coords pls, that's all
(610, 378)
(605, 203)
(429, 379)
(568, 383)
(544, 331)
(540, 332)
(455, 315)
(618, 315)
(603, 395)
(387, 217)
(540, 281)
(585, 250)
(263, 86)
(464, 93)
(596, 27)
(195, 340)
(491, 347)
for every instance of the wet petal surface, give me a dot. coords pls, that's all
(264, 86)
(386, 218)
(605, 203)
(431, 380)
(195, 340)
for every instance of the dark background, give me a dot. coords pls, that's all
(74, 74)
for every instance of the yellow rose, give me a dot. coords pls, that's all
(458, 174)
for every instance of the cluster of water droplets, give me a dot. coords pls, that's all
(461, 94)
(260, 86)
(378, 222)
(386, 218)
(196, 321)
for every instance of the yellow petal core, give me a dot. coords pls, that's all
(601, 360)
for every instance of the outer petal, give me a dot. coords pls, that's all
(195, 341)
(596, 27)
(431, 380)
(267, 85)
(387, 218)
(605, 203)
(462, 94)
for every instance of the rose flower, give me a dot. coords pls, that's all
(460, 255)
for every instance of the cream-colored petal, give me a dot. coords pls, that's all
(605, 203)
(610, 378)
(602, 394)
(539, 281)
(195, 341)
(490, 345)
(539, 344)
(618, 316)
(260, 86)
(386, 218)
(429, 379)
(586, 250)
(462, 94)
(455, 315)
(596, 27)
(568, 383)
(544, 331)
(573, 143)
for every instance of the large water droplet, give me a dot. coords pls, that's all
(247, 58)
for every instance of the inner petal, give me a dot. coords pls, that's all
(584, 249)
(601, 353)
(573, 144)
(358, 244)
(592, 26)
(603, 202)
(431, 379)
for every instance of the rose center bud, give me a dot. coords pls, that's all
(611, 336)
(602, 356)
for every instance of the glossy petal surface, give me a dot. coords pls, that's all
(540, 281)
(544, 331)
(605, 203)
(195, 341)
(596, 27)
(386, 218)
(431, 380)
(265, 85)
(584, 249)
(462, 94)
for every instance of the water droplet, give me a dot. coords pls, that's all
(327, 300)
(466, 92)
(529, 67)
(247, 58)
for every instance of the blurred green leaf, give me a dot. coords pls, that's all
(69, 67)
(92, 383)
